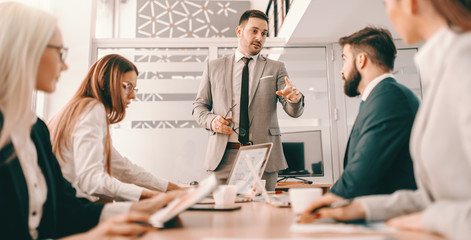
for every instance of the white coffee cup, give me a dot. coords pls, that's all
(225, 194)
(301, 197)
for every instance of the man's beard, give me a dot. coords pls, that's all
(351, 84)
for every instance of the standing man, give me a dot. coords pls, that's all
(236, 101)
(377, 159)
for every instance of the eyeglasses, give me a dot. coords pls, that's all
(239, 131)
(129, 88)
(62, 51)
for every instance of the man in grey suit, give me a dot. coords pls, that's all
(236, 101)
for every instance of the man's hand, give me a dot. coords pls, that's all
(125, 226)
(407, 222)
(151, 205)
(290, 92)
(220, 125)
(353, 211)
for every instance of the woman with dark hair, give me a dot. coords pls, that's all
(36, 202)
(81, 136)
(440, 142)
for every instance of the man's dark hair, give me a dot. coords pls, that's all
(376, 43)
(252, 13)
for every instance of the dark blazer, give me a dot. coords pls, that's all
(63, 213)
(377, 159)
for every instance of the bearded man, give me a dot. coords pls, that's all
(377, 159)
(237, 101)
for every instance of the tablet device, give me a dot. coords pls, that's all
(179, 205)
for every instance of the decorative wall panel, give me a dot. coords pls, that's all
(188, 18)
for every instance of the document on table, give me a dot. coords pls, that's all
(332, 226)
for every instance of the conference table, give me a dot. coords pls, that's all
(257, 220)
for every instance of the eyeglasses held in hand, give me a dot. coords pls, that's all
(129, 88)
(62, 51)
(239, 131)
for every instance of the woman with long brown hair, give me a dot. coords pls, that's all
(81, 140)
(440, 141)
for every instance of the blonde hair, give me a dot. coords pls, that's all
(103, 84)
(24, 35)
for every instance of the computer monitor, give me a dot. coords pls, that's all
(294, 154)
(303, 153)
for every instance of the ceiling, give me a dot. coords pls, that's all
(326, 21)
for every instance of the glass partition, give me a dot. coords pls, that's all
(159, 132)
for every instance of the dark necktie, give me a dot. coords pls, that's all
(361, 104)
(244, 104)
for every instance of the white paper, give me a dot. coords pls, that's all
(330, 226)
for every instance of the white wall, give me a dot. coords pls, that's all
(75, 23)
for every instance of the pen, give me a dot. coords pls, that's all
(341, 203)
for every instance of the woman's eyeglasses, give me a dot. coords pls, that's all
(62, 51)
(239, 131)
(129, 88)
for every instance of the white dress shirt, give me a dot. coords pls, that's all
(369, 88)
(36, 183)
(236, 85)
(84, 160)
(440, 142)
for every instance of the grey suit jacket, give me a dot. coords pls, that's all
(215, 97)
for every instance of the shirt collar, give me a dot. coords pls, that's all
(239, 56)
(373, 84)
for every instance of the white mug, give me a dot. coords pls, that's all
(225, 194)
(301, 197)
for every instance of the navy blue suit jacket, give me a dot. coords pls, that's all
(63, 213)
(377, 158)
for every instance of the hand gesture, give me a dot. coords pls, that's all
(290, 92)
(220, 125)
(353, 211)
(121, 227)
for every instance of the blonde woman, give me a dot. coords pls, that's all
(440, 141)
(81, 136)
(35, 200)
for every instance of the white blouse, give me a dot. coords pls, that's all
(440, 142)
(83, 163)
(36, 183)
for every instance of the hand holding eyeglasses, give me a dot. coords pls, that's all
(290, 92)
(221, 125)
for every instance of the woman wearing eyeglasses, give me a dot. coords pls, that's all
(36, 202)
(81, 137)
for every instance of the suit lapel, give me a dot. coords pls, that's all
(258, 70)
(229, 65)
